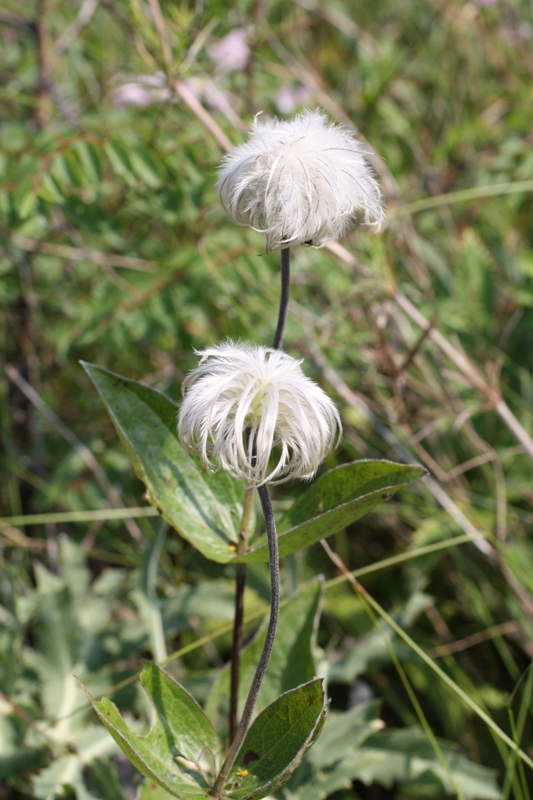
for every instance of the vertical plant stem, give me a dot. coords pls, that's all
(267, 647)
(240, 585)
(284, 299)
(240, 578)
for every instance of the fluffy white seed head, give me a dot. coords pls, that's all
(243, 394)
(304, 180)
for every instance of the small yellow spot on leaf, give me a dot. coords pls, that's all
(232, 548)
(242, 773)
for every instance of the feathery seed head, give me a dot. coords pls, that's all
(242, 394)
(303, 180)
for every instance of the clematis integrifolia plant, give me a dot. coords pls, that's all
(240, 402)
(300, 182)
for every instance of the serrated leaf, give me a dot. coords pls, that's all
(353, 726)
(291, 662)
(181, 752)
(407, 755)
(377, 645)
(205, 511)
(277, 742)
(323, 771)
(66, 771)
(337, 499)
(20, 759)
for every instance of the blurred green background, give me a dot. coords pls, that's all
(113, 249)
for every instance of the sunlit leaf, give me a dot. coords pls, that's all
(337, 499)
(204, 510)
(277, 742)
(181, 752)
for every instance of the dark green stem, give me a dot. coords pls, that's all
(267, 647)
(284, 299)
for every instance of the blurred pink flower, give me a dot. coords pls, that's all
(290, 97)
(142, 91)
(231, 53)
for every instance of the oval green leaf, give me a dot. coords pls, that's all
(277, 741)
(204, 510)
(181, 752)
(337, 499)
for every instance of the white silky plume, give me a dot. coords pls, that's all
(304, 180)
(240, 394)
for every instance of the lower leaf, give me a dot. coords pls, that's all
(277, 742)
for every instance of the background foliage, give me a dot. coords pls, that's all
(114, 250)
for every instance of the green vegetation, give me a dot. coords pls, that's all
(115, 251)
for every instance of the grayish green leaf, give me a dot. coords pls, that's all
(181, 752)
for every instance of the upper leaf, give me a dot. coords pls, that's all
(181, 752)
(206, 512)
(277, 742)
(337, 499)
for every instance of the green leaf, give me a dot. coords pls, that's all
(90, 160)
(353, 726)
(324, 771)
(277, 742)
(151, 791)
(351, 749)
(19, 759)
(118, 157)
(181, 752)
(205, 511)
(375, 648)
(291, 662)
(407, 755)
(337, 499)
(103, 779)
(66, 771)
(27, 204)
(144, 167)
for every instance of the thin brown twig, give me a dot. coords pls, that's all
(459, 645)
(160, 27)
(203, 115)
(106, 262)
(461, 361)
(358, 402)
(27, 719)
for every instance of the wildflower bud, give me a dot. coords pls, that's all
(301, 181)
(242, 400)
